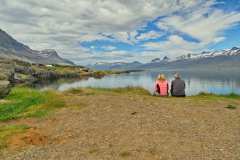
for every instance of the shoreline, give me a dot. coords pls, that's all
(14, 72)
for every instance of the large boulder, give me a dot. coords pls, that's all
(6, 76)
(5, 88)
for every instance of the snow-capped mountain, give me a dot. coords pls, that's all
(213, 60)
(235, 51)
(158, 60)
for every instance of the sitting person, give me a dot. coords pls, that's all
(161, 86)
(178, 86)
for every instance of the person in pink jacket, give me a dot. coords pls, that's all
(161, 86)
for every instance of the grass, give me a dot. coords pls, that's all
(140, 91)
(102, 73)
(125, 154)
(126, 90)
(8, 131)
(231, 95)
(107, 72)
(25, 102)
(231, 107)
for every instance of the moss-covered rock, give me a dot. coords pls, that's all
(5, 88)
(6, 76)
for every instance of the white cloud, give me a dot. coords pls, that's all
(109, 48)
(174, 46)
(203, 23)
(149, 35)
(218, 39)
(62, 25)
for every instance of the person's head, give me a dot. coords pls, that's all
(177, 76)
(161, 77)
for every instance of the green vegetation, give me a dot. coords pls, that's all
(231, 107)
(125, 154)
(132, 90)
(26, 102)
(109, 72)
(66, 69)
(93, 151)
(103, 73)
(211, 95)
(232, 95)
(141, 91)
(8, 131)
(126, 90)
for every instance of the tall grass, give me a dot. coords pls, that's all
(26, 102)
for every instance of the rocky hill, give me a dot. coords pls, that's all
(11, 48)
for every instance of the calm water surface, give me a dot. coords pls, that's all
(196, 82)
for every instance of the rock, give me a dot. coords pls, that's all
(6, 76)
(5, 88)
(23, 78)
(3, 76)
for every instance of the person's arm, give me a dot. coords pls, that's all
(171, 90)
(156, 87)
(167, 89)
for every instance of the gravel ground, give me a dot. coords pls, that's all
(126, 126)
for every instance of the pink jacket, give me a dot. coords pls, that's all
(161, 87)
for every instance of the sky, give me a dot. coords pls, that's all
(90, 31)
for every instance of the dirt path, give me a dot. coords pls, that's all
(112, 126)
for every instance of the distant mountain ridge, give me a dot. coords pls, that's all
(11, 48)
(115, 65)
(235, 51)
(229, 58)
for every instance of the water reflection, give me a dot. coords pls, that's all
(196, 82)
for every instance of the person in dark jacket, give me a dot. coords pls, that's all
(178, 86)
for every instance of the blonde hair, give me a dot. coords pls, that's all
(161, 77)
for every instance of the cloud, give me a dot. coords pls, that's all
(204, 23)
(63, 25)
(173, 46)
(149, 35)
(109, 48)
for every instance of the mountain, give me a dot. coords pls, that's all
(230, 52)
(11, 48)
(115, 65)
(216, 60)
(160, 60)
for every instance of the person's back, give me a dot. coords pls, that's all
(161, 86)
(178, 87)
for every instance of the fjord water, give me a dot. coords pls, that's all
(196, 81)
